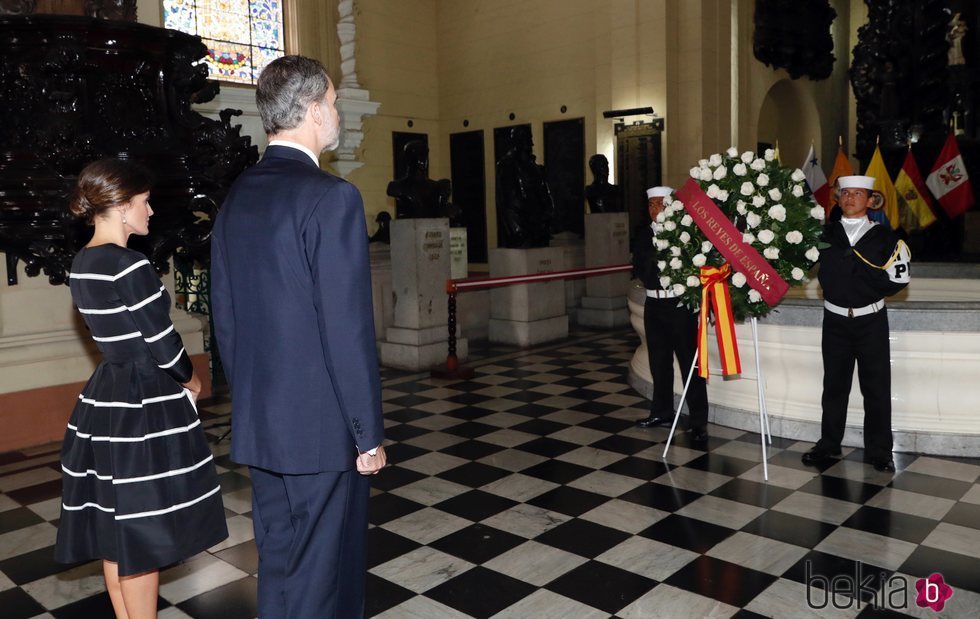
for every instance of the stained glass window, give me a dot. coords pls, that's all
(242, 36)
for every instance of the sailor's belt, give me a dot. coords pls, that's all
(660, 294)
(852, 312)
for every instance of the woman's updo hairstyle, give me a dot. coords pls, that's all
(105, 184)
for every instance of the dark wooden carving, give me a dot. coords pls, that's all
(76, 89)
(17, 7)
(795, 35)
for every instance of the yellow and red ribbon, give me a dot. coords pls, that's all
(716, 298)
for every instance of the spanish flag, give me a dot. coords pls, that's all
(842, 167)
(883, 183)
(913, 198)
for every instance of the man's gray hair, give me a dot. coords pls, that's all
(286, 88)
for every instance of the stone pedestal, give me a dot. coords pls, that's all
(606, 243)
(527, 314)
(573, 250)
(420, 265)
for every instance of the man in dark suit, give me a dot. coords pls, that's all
(671, 330)
(291, 296)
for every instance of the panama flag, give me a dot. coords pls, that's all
(949, 181)
(816, 179)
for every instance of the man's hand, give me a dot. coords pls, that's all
(370, 465)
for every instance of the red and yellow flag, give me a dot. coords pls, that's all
(913, 197)
(715, 295)
(842, 167)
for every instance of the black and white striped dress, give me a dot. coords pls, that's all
(139, 482)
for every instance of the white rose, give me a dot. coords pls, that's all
(705, 174)
(714, 160)
(695, 173)
(722, 195)
(661, 264)
(658, 228)
(817, 213)
(797, 274)
(758, 165)
(675, 263)
(712, 191)
(698, 260)
(770, 154)
(740, 207)
(738, 280)
(797, 175)
(706, 246)
(661, 216)
(675, 251)
(703, 163)
(748, 156)
(670, 226)
(668, 200)
(747, 189)
(762, 180)
(685, 237)
(692, 281)
(679, 289)
(766, 236)
(771, 253)
(754, 296)
(720, 172)
(812, 254)
(662, 244)
(664, 282)
(686, 220)
(739, 169)
(794, 237)
(758, 201)
(798, 191)
(732, 152)
(748, 237)
(778, 212)
(775, 194)
(753, 220)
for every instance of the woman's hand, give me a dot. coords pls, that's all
(194, 386)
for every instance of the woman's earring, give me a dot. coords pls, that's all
(124, 220)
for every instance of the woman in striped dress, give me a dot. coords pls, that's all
(140, 489)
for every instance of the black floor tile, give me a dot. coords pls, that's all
(467, 398)
(475, 505)
(395, 477)
(721, 580)
(36, 494)
(472, 449)
(958, 570)
(724, 465)
(17, 518)
(236, 600)
(622, 444)
(383, 594)
(931, 485)
(403, 432)
(688, 533)
(34, 565)
(791, 460)
(477, 543)
(472, 411)
(818, 569)
(557, 471)
(964, 515)
(387, 507)
(480, 592)
(405, 415)
(790, 529)
(474, 474)
(471, 429)
(403, 452)
(232, 481)
(891, 524)
(659, 496)
(244, 556)
(640, 468)
(548, 447)
(383, 546)
(566, 500)
(582, 537)
(541, 427)
(841, 488)
(609, 424)
(596, 408)
(98, 605)
(752, 493)
(16, 604)
(409, 400)
(602, 586)
(529, 397)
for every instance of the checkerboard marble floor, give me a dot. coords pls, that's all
(528, 492)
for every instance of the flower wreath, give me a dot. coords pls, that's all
(770, 205)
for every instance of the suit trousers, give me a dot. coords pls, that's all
(862, 340)
(673, 331)
(311, 533)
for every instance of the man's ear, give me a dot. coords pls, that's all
(316, 113)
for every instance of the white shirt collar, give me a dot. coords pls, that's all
(297, 146)
(856, 227)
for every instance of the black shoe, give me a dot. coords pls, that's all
(885, 465)
(817, 456)
(654, 420)
(699, 434)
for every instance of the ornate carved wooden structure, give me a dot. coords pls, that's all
(76, 89)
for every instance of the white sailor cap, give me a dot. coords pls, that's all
(856, 182)
(659, 192)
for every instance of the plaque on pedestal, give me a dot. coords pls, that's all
(459, 263)
(527, 314)
(606, 244)
(420, 266)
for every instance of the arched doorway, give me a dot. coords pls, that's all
(789, 115)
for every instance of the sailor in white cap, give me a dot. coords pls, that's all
(671, 330)
(863, 263)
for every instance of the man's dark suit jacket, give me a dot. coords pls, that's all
(291, 299)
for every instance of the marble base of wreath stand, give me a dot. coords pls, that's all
(527, 314)
(420, 266)
(606, 243)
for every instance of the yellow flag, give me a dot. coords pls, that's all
(915, 212)
(883, 183)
